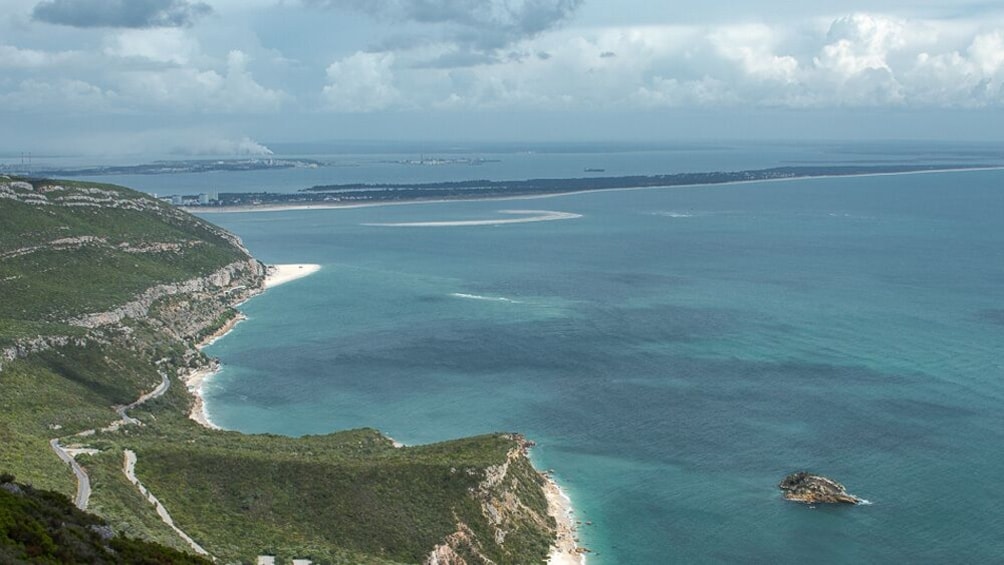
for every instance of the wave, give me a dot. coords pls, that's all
(672, 214)
(486, 298)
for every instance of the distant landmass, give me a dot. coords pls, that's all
(170, 167)
(355, 193)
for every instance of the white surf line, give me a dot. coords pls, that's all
(129, 469)
(485, 298)
(83, 481)
(533, 216)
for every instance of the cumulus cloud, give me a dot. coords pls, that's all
(362, 82)
(192, 89)
(120, 13)
(160, 45)
(58, 96)
(12, 57)
(861, 60)
(478, 24)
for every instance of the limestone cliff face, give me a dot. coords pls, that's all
(506, 514)
(184, 309)
(232, 284)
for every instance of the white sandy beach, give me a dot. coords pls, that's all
(282, 274)
(194, 381)
(566, 550)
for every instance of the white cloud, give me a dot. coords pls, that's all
(362, 82)
(860, 60)
(987, 52)
(163, 45)
(57, 96)
(753, 48)
(196, 90)
(12, 57)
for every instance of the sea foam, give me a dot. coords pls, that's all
(486, 298)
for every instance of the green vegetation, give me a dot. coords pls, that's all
(61, 261)
(346, 497)
(38, 526)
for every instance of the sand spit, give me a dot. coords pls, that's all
(282, 274)
(531, 216)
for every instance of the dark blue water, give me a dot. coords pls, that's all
(674, 352)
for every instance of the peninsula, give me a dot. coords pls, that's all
(108, 295)
(379, 193)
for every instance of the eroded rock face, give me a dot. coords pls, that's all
(815, 489)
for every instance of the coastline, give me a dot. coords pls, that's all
(566, 549)
(345, 206)
(282, 274)
(194, 380)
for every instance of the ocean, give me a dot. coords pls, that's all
(673, 352)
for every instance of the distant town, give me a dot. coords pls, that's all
(439, 161)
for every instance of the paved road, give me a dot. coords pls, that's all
(165, 383)
(83, 481)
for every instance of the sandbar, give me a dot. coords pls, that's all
(528, 216)
(282, 274)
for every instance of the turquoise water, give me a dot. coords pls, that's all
(673, 352)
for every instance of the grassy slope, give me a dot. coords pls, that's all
(38, 526)
(348, 497)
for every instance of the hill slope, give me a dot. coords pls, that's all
(107, 293)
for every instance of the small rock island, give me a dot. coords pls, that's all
(815, 489)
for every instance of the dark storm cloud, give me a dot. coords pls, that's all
(120, 13)
(480, 24)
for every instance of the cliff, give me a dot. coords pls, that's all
(109, 293)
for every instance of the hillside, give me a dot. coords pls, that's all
(38, 526)
(106, 295)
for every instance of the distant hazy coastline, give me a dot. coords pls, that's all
(337, 205)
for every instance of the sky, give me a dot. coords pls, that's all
(121, 77)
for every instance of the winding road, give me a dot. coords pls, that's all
(83, 481)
